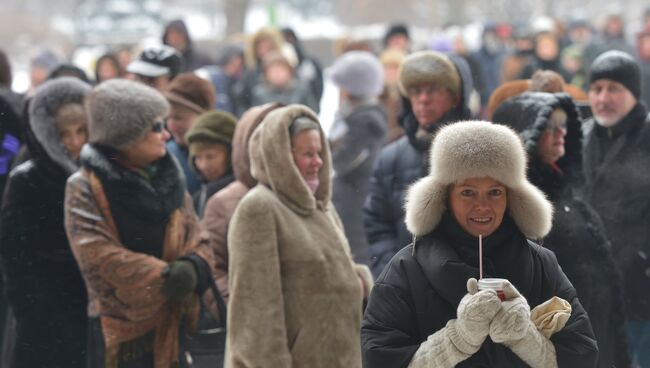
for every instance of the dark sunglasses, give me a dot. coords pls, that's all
(158, 126)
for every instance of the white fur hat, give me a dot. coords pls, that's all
(475, 149)
(358, 72)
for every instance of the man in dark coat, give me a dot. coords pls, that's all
(177, 36)
(550, 128)
(437, 87)
(616, 158)
(43, 283)
(356, 137)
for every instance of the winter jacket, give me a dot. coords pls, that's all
(43, 282)
(421, 287)
(124, 230)
(578, 236)
(617, 188)
(298, 92)
(192, 58)
(207, 190)
(399, 165)
(295, 297)
(221, 206)
(355, 147)
(192, 179)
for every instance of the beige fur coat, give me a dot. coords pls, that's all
(295, 295)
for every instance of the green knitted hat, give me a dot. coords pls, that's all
(212, 127)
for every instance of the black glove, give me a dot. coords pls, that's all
(180, 280)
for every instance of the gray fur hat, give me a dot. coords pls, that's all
(474, 149)
(359, 73)
(121, 112)
(48, 99)
(428, 67)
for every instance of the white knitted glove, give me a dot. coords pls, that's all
(513, 328)
(463, 336)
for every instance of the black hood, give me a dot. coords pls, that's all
(528, 114)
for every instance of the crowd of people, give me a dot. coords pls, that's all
(173, 200)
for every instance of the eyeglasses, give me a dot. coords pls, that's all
(428, 89)
(554, 126)
(158, 126)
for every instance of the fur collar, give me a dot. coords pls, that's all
(272, 162)
(155, 198)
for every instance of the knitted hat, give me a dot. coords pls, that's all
(618, 66)
(428, 67)
(359, 73)
(156, 61)
(121, 111)
(192, 92)
(213, 127)
(475, 149)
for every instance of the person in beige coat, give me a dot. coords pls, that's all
(222, 205)
(295, 293)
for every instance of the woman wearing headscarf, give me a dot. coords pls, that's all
(295, 293)
(550, 129)
(134, 232)
(43, 284)
(426, 310)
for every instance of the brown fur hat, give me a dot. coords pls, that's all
(192, 92)
(428, 67)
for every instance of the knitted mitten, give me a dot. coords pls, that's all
(513, 327)
(463, 336)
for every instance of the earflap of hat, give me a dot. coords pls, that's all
(426, 201)
(530, 210)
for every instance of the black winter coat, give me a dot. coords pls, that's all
(353, 155)
(44, 285)
(578, 236)
(616, 162)
(399, 165)
(420, 289)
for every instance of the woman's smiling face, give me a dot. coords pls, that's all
(478, 204)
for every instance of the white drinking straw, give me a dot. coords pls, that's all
(480, 255)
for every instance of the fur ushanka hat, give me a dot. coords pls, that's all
(475, 149)
(428, 67)
(121, 112)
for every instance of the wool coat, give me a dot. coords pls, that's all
(124, 230)
(617, 187)
(578, 237)
(43, 283)
(400, 164)
(295, 298)
(221, 206)
(354, 152)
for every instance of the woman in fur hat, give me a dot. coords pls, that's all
(43, 283)
(550, 128)
(425, 309)
(134, 232)
(295, 293)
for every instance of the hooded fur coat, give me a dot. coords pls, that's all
(222, 205)
(43, 283)
(295, 299)
(578, 237)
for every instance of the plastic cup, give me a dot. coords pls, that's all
(493, 284)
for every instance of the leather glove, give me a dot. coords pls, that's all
(463, 336)
(513, 327)
(180, 280)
